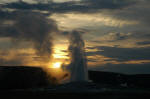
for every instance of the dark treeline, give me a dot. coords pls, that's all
(120, 80)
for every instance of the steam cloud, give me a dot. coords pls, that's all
(36, 28)
(33, 27)
(78, 59)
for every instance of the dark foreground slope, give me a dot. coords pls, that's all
(117, 79)
(16, 77)
(32, 82)
(49, 95)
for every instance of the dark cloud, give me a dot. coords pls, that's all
(119, 36)
(110, 4)
(124, 68)
(122, 54)
(143, 43)
(116, 36)
(80, 6)
(138, 12)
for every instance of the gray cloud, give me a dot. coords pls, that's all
(124, 68)
(112, 4)
(138, 12)
(116, 36)
(80, 6)
(122, 54)
(120, 36)
(143, 43)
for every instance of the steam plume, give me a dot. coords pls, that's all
(78, 58)
(33, 27)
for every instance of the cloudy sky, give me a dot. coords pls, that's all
(116, 32)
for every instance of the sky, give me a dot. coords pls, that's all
(116, 33)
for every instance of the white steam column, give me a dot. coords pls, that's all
(78, 66)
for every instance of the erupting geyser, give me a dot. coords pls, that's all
(78, 65)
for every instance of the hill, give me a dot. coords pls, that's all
(22, 77)
(117, 79)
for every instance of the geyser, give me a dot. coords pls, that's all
(78, 65)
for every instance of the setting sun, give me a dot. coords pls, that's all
(57, 65)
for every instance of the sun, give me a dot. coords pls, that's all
(57, 65)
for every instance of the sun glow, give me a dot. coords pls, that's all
(57, 65)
